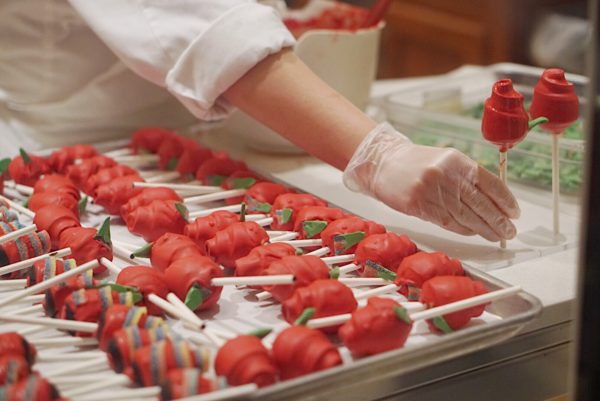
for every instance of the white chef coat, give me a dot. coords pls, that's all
(89, 70)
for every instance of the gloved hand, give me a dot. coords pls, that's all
(440, 185)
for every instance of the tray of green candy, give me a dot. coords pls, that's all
(448, 113)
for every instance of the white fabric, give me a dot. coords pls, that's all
(63, 64)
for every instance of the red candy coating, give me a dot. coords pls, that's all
(114, 194)
(80, 173)
(38, 201)
(192, 157)
(328, 297)
(305, 269)
(442, 290)
(387, 249)
(147, 281)
(554, 98)
(106, 175)
(315, 213)
(84, 246)
(56, 183)
(245, 360)
(260, 196)
(214, 170)
(418, 268)
(289, 202)
(146, 196)
(12, 343)
(184, 273)
(27, 173)
(505, 121)
(60, 160)
(374, 328)
(204, 228)
(259, 258)
(55, 220)
(298, 351)
(171, 247)
(148, 139)
(155, 219)
(119, 316)
(235, 241)
(348, 225)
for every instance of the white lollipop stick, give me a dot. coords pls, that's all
(121, 252)
(78, 379)
(348, 268)
(332, 260)
(254, 280)
(178, 303)
(30, 331)
(171, 309)
(137, 159)
(164, 177)
(232, 193)
(115, 380)
(12, 284)
(60, 324)
(377, 291)
(272, 233)
(18, 233)
(503, 168)
(555, 186)
(24, 264)
(94, 364)
(24, 189)
(350, 281)
(328, 321)
(113, 268)
(304, 243)
(191, 188)
(64, 342)
(206, 212)
(118, 152)
(32, 310)
(319, 252)
(258, 216)
(226, 394)
(63, 357)
(284, 237)
(465, 303)
(44, 285)
(265, 222)
(18, 208)
(264, 295)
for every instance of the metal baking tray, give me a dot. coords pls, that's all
(238, 311)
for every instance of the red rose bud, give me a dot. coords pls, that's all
(442, 290)
(554, 98)
(422, 266)
(245, 360)
(505, 121)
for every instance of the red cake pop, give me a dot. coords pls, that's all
(151, 363)
(170, 149)
(387, 249)
(190, 279)
(55, 220)
(106, 175)
(12, 343)
(298, 351)
(148, 139)
(442, 290)
(327, 297)
(554, 98)
(114, 194)
(26, 169)
(13, 368)
(261, 257)
(214, 170)
(376, 328)
(235, 241)
(88, 244)
(123, 343)
(146, 196)
(192, 157)
(119, 316)
(342, 236)
(312, 220)
(245, 360)
(305, 269)
(56, 183)
(204, 228)
(286, 207)
(260, 196)
(60, 160)
(38, 201)
(240, 179)
(182, 383)
(157, 218)
(169, 248)
(80, 173)
(146, 281)
(422, 266)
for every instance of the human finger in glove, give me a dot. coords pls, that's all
(440, 185)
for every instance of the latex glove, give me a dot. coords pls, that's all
(441, 185)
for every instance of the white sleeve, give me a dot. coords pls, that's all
(195, 48)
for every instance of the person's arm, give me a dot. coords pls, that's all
(439, 185)
(284, 94)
